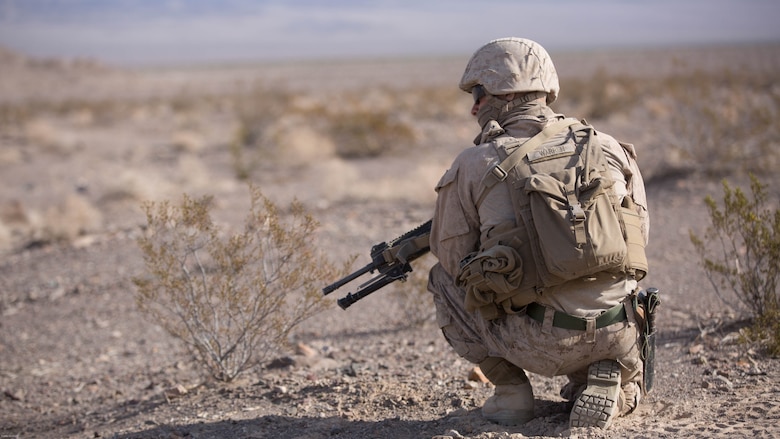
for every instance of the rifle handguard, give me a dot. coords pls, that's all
(390, 259)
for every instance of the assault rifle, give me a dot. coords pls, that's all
(392, 261)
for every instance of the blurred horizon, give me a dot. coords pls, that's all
(150, 32)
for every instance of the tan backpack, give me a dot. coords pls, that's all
(569, 222)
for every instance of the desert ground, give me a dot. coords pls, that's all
(83, 144)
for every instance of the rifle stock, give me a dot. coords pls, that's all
(391, 260)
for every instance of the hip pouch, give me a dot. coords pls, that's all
(636, 259)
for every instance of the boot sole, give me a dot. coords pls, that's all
(597, 406)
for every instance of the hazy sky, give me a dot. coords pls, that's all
(173, 31)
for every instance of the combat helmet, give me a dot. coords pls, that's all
(511, 65)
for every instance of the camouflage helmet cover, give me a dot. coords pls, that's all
(511, 65)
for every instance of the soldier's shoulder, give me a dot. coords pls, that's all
(604, 138)
(477, 153)
(610, 142)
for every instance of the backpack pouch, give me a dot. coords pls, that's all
(578, 228)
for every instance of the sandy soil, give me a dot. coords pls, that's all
(78, 360)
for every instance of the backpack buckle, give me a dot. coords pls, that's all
(577, 217)
(576, 212)
(499, 173)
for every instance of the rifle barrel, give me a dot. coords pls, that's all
(371, 286)
(345, 280)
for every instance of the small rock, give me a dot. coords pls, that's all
(730, 339)
(306, 351)
(470, 385)
(281, 363)
(450, 434)
(696, 349)
(281, 389)
(176, 391)
(725, 383)
(17, 395)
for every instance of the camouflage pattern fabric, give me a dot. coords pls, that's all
(511, 65)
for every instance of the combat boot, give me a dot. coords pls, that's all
(512, 404)
(599, 404)
(513, 400)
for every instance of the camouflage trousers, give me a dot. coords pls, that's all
(530, 345)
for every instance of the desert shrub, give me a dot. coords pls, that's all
(440, 103)
(232, 299)
(601, 95)
(65, 222)
(13, 115)
(361, 133)
(740, 251)
(242, 138)
(363, 124)
(717, 122)
(766, 329)
(73, 217)
(725, 121)
(255, 141)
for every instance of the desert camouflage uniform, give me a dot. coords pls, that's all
(458, 229)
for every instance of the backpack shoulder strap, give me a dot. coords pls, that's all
(499, 172)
